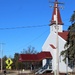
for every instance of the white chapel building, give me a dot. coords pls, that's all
(50, 44)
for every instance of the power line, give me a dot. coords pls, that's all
(21, 27)
(33, 40)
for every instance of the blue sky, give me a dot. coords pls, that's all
(23, 13)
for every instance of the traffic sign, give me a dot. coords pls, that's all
(8, 62)
(8, 67)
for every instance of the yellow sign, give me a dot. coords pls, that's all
(8, 67)
(8, 62)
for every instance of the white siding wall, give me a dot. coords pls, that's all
(53, 28)
(50, 40)
(46, 47)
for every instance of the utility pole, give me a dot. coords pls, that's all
(1, 49)
(57, 46)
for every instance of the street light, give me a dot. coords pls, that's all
(1, 44)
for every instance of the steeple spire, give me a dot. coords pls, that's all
(53, 20)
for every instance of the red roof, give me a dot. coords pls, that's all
(35, 57)
(64, 34)
(58, 15)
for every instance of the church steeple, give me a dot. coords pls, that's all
(53, 20)
(56, 18)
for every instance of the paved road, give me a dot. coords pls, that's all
(9, 74)
(16, 72)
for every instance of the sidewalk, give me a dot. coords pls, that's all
(16, 72)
